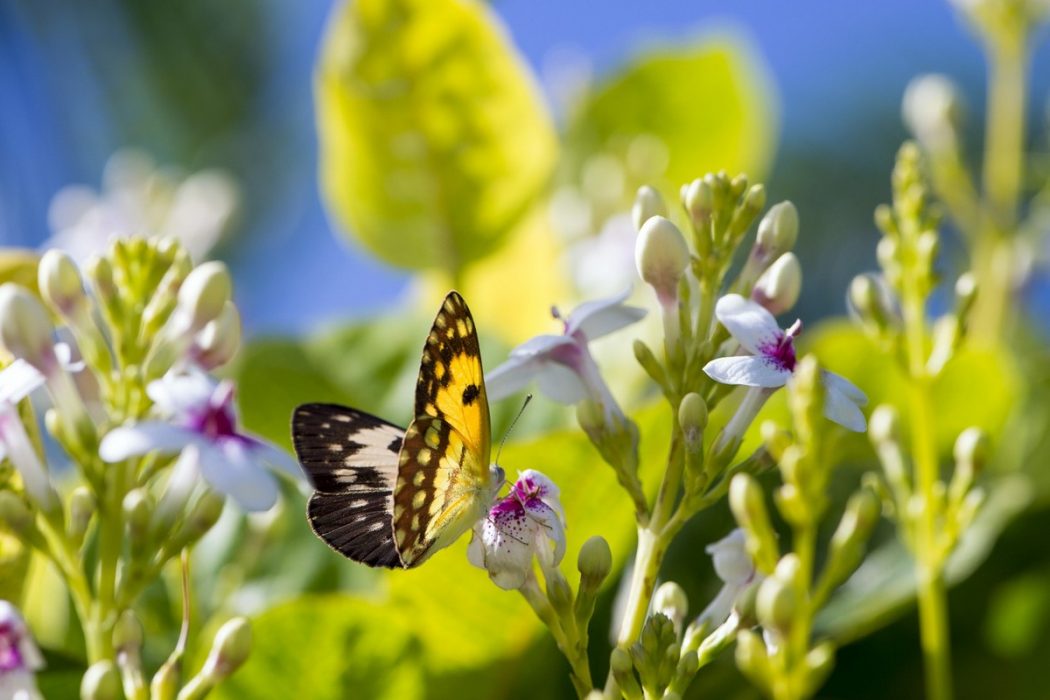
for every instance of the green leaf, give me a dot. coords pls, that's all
(328, 648)
(674, 114)
(434, 141)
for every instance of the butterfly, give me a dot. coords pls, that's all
(391, 497)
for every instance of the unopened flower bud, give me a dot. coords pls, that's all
(971, 447)
(127, 633)
(692, 416)
(647, 204)
(751, 655)
(661, 256)
(559, 593)
(594, 562)
(932, 111)
(16, 516)
(165, 682)
(778, 230)
(847, 544)
(230, 649)
(819, 662)
(101, 682)
(699, 201)
(25, 329)
(779, 286)
(927, 247)
(965, 293)
(749, 509)
(81, 508)
(776, 605)
(60, 282)
(871, 302)
(137, 512)
(204, 293)
(745, 603)
(202, 517)
(884, 425)
(671, 601)
(218, 341)
(755, 201)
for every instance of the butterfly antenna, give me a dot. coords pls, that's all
(511, 428)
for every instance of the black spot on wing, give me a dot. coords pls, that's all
(357, 525)
(470, 394)
(395, 445)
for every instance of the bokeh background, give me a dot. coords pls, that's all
(228, 89)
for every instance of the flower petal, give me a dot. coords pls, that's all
(594, 319)
(510, 377)
(177, 393)
(231, 468)
(748, 322)
(730, 558)
(748, 371)
(276, 457)
(18, 380)
(844, 386)
(561, 384)
(133, 440)
(841, 408)
(505, 537)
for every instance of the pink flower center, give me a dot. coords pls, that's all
(10, 657)
(216, 419)
(782, 352)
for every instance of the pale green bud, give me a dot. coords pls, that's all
(230, 649)
(622, 667)
(60, 282)
(884, 424)
(871, 302)
(647, 204)
(203, 516)
(755, 201)
(594, 562)
(559, 593)
(204, 293)
(819, 662)
(661, 256)
(971, 447)
(127, 633)
(778, 230)
(137, 513)
(749, 508)
(81, 508)
(649, 363)
(671, 600)
(932, 111)
(219, 340)
(751, 656)
(965, 293)
(745, 603)
(620, 661)
(699, 201)
(927, 247)
(165, 682)
(692, 418)
(16, 516)
(101, 682)
(847, 544)
(778, 288)
(886, 251)
(25, 329)
(738, 185)
(776, 605)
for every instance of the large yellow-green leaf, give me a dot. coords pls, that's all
(675, 114)
(434, 141)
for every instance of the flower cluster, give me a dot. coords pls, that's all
(153, 438)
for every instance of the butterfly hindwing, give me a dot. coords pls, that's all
(350, 458)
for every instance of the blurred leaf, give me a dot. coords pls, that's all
(885, 583)
(434, 140)
(980, 387)
(511, 291)
(1018, 613)
(673, 115)
(328, 647)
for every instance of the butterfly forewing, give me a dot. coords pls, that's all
(351, 459)
(451, 384)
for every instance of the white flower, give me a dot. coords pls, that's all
(20, 658)
(772, 359)
(529, 521)
(140, 198)
(736, 569)
(202, 418)
(562, 365)
(17, 381)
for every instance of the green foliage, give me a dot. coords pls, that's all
(678, 112)
(434, 141)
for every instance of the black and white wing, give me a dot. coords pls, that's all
(351, 460)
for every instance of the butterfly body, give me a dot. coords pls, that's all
(387, 497)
